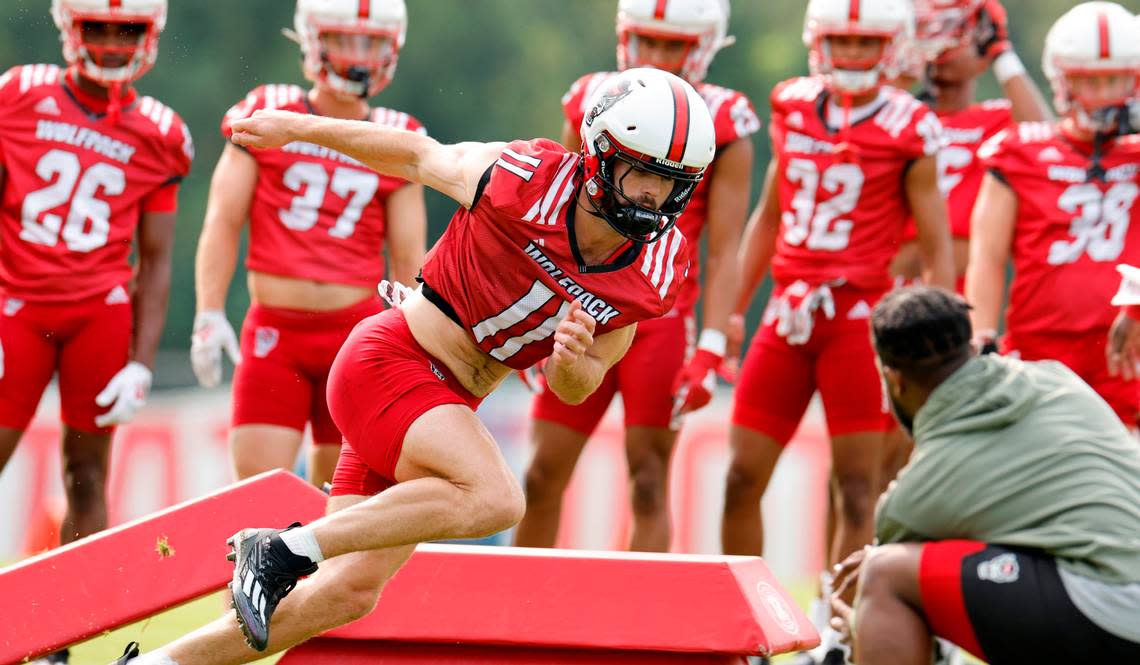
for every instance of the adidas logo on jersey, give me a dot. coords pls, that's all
(861, 310)
(47, 106)
(1050, 154)
(117, 296)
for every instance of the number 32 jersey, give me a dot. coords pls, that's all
(509, 266)
(316, 214)
(1071, 229)
(843, 218)
(76, 184)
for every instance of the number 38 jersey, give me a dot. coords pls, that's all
(843, 216)
(316, 214)
(76, 183)
(509, 267)
(1071, 229)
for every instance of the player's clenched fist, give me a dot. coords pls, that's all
(575, 334)
(266, 129)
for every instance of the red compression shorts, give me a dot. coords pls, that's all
(286, 355)
(87, 341)
(778, 379)
(644, 377)
(1084, 354)
(381, 382)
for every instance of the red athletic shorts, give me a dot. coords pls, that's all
(1084, 354)
(286, 355)
(778, 379)
(644, 377)
(87, 341)
(380, 383)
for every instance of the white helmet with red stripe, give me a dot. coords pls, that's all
(653, 121)
(703, 23)
(1093, 39)
(945, 26)
(352, 45)
(890, 20)
(69, 17)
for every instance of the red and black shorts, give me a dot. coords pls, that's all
(1008, 605)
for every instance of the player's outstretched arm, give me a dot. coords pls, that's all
(155, 257)
(453, 170)
(757, 247)
(728, 207)
(580, 361)
(932, 222)
(991, 234)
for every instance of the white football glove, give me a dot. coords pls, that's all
(212, 334)
(393, 293)
(125, 394)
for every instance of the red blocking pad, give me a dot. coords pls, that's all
(456, 594)
(138, 569)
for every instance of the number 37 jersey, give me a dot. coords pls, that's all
(76, 184)
(509, 266)
(1071, 229)
(843, 216)
(316, 214)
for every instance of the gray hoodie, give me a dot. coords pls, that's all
(1022, 454)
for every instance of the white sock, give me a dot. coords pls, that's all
(302, 542)
(154, 658)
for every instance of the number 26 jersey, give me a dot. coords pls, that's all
(77, 183)
(843, 218)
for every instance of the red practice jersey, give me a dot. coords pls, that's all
(843, 218)
(316, 214)
(1071, 229)
(509, 266)
(76, 184)
(733, 118)
(959, 171)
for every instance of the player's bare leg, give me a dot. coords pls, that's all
(9, 439)
(255, 449)
(647, 451)
(86, 458)
(322, 462)
(891, 628)
(557, 448)
(856, 462)
(454, 483)
(754, 458)
(342, 590)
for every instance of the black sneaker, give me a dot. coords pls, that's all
(265, 571)
(59, 657)
(129, 654)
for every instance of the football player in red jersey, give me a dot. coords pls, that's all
(552, 254)
(662, 376)
(854, 159)
(85, 162)
(319, 223)
(959, 40)
(1060, 200)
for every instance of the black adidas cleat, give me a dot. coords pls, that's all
(264, 573)
(129, 654)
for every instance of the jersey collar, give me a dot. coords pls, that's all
(94, 107)
(623, 258)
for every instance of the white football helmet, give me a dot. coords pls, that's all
(944, 26)
(1093, 38)
(352, 45)
(69, 16)
(891, 20)
(653, 121)
(704, 23)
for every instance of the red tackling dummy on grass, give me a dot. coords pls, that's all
(135, 570)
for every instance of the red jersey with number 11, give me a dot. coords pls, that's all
(509, 266)
(76, 183)
(843, 217)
